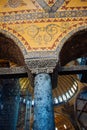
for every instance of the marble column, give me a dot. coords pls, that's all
(43, 103)
(9, 101)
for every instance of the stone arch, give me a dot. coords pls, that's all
(70, 46)
(11, 48)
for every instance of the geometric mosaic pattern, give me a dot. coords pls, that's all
(22, 16)
(47, 4)
(50, 5)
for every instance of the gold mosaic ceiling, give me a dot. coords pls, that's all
(40, 25)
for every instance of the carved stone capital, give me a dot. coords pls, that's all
(41, 65)
(42, 62)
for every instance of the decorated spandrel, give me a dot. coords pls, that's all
(81, 108)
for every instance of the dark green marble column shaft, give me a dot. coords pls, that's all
(43, 103)
(9, 100)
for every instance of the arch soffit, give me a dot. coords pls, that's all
(65, 39)
(15, 39)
